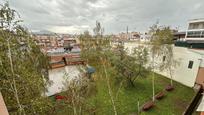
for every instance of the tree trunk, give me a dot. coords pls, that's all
(131, 82)
(170, 72)
(153, 89)
(13, 80)
(109, 88)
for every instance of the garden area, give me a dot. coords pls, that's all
(173, 102)
(121, 85)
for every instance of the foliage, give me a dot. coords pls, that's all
(98, 30)
(161, 35)
(86, 34)
(92, 49)
(161, 44)
(76, 92)
(162, 39)
(130, 67)
(174, 102)
(23, 67)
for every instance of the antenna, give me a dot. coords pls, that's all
(127, 33)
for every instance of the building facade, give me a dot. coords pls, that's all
(190, 68)
(195, 32)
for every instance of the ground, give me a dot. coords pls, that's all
(174, 102)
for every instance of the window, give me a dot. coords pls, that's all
(199, 25)
(195, 26)
(194, 34)
(202, 26)
(202, 34)
(190, 64)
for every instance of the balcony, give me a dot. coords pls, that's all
(189, 45)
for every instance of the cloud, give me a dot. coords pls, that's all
(115, 15)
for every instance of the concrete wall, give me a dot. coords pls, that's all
(58, 78)
(181, 73)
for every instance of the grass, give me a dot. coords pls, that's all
(174, 102)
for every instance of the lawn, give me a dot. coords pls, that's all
(174, 102)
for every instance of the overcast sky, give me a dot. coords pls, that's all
(75, 16)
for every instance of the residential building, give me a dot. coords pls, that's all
(195, 32)
(194, 37)
(180, 36)
(68, 41)
(134, 36)
(145, 37)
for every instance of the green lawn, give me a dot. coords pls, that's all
(174, 103)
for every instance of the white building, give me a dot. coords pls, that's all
(195, 32)
(189, 53)
(190, 69)
(145, 37)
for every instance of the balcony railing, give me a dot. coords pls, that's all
(189, 45)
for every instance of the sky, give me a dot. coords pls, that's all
(76, 16)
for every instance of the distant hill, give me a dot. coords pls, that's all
(46, 32)
(43, 32)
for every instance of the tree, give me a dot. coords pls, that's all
(110, 92)
(161, 40)
(91, 49)
(96, 52)
(98, 30)
(73, 99)
(130, 67)
(23, 68)
(87, 34)
(168, 61)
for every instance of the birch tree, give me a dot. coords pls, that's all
(23, 67)
(161, 40)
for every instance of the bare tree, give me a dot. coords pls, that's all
(98, 30)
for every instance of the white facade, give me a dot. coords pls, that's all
(145, 37)
(58, 78)
(183, 74)
(195, 30)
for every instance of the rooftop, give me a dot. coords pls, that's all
(196, 20)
